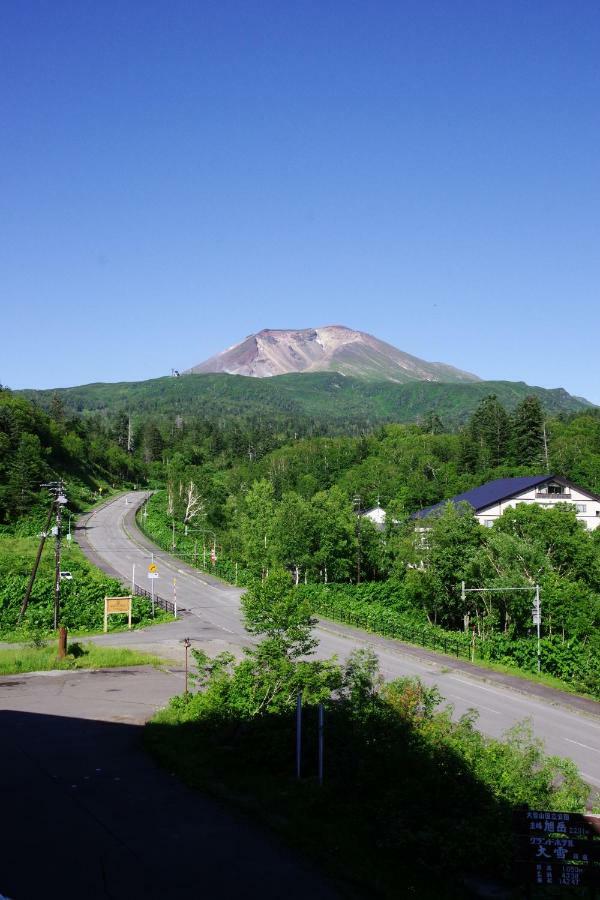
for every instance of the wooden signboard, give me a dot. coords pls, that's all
(116, 605)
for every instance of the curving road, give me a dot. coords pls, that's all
(111, 539)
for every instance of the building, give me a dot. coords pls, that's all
(490, 500)
(376, 515)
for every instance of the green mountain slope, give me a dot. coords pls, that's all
(327, 399)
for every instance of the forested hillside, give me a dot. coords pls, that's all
(37, 446)
(316, 403)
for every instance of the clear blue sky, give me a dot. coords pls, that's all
(176, 175)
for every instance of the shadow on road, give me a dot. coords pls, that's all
(86, 814)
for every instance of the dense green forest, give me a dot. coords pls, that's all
(305, 404)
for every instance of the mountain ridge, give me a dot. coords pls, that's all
(327, 348)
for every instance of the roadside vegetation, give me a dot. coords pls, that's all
(42, 658)
(82, 596)
(410, 797)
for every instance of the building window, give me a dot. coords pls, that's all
(488, 523)
(556, 489)
(581, 507)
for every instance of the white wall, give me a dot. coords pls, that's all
(590, 516)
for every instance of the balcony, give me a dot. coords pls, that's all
(540, 495)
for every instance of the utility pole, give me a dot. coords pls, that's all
(31, 581)
(546, 447)
(58, 489)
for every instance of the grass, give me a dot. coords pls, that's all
(81, 656)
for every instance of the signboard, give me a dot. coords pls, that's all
(116, 605)
(556, 848)
(152, 568)
(152, 574)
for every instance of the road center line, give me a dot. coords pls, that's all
(475, 705)
(579, 744)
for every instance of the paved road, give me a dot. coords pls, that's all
(114, 542)
(87, 814)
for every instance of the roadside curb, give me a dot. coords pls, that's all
(551, 695)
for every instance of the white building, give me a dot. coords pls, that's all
(490, 500)
(376, 515)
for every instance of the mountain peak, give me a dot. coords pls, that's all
(278, 351)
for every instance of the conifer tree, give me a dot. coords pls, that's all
(528, 432)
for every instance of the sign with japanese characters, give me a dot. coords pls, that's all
(556, 848)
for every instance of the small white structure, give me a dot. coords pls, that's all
(376, 515)
(490, 500)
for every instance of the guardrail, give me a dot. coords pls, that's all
(168, 605)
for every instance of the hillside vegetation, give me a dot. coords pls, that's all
(298, 403)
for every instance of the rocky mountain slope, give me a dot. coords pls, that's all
(330, 348)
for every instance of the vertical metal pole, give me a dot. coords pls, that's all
(538, 616)
(186, 644)
(133, 579)
(175, 596)
(321, 731)
(57, 564)
(299, 734)
(152, 594)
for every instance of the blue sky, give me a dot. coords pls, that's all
(176, 175)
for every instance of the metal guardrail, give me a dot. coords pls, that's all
(161, 602)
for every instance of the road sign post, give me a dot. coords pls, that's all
(117, 605)
(152, 574)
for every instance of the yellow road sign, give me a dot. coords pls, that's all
(152, 567)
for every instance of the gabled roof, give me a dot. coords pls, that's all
(487, 494)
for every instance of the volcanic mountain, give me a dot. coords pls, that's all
(330, 348)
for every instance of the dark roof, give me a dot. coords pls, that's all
(487, 494)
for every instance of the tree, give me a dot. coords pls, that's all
(255, 523)
(271, 608)
(528, 433)
(488, 434)
(336, 535)
(293, 529)
(26, 473)
(452, 541)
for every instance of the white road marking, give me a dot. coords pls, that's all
(476, 705)
(590, 778)
(579, 744)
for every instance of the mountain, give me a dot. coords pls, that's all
(333, 348)
(316, 402)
